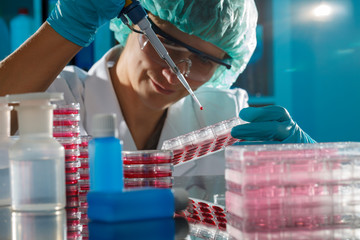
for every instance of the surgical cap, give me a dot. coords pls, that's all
(228, 24)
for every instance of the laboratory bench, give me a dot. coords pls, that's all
(55, 225)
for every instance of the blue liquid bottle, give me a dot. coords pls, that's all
(107, 199)
(106, 169)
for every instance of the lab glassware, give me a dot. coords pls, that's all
(37, 166)
(5, 143)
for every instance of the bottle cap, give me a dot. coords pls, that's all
(104, 125)
(34, 98)
(35, 112)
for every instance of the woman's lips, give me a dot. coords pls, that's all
(160, 89)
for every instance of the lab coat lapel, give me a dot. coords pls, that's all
(100, 97)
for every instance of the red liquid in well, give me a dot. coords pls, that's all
(70, 146)
(65, 134)
(217, 209)
(146, 160)
(72, 192)
(205, 210)
(65, 111)
(84, 187)
(136, 174)
(71, 170)
(70, 158)
(222, 226)
(209, 221)
(65, 123)
(195, 217)
(202, 204)
(221, 219)
(231, 141)
(207, 215)
(220, 214)
(84, 176)
(70, 182)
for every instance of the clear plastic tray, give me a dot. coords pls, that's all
(206, 213)
(275, 191)
(147, 157)
(72, 201)
(69, 142)
(72, 108)
(72, 167)
(66, 131)
(72, 189)
(202, 142)
(73, 213)
(165, 182)
(148, 170)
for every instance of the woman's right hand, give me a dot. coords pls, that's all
(78, 20)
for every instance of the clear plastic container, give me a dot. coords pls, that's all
(39, 225)
(71, 110)
(148, 170)
(202, 142)
(147, 157)
(203, 212)
(280, 190)
(5, 142)
(165, 182)
(36, 158)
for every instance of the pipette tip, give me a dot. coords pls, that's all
(201, 108)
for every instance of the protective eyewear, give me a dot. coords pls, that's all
(193, 63)
(169, 38)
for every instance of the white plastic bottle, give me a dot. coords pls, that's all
(37, 160)
(5, 143)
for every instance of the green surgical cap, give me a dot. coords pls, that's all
(228, 24)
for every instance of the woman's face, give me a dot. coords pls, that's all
(152, 80)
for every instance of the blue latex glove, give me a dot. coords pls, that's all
(78, 20)
(270, 124)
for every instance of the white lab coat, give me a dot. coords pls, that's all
(95, 93)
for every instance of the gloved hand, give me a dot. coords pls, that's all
(272, 124)
(78, 20)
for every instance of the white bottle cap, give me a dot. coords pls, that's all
(34, 98)
(104, 125)
(35, 113)
(4, 117)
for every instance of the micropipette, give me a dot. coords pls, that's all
(138, 16)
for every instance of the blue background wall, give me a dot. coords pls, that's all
(314, 68)
(325, 58)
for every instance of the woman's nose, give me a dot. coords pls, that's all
(170, 76)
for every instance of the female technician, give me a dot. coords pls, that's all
(211, 41)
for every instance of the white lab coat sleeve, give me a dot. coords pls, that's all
(71, 82)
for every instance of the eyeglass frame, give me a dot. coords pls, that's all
(163, 34)
(168, 37)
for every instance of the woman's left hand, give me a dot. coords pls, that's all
(270, 124)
